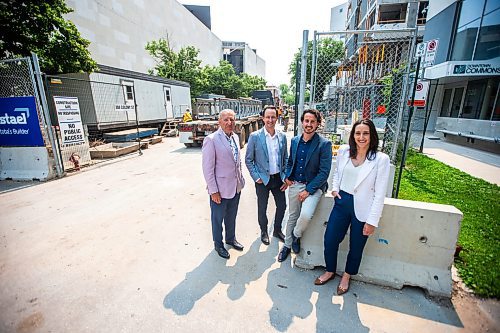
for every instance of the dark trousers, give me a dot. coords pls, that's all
(341, 218)
(262, 191)
(224, 212)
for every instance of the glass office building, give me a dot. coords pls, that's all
(466, 73)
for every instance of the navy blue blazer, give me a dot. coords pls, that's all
(318, 162)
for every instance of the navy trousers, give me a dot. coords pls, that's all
(225, 212)
(341, 218)
(262, 192)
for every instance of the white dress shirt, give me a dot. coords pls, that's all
(272, 144)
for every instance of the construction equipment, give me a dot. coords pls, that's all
(205, 115)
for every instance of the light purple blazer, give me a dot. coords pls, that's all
(222, 173)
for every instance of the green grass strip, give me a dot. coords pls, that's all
(428, 180)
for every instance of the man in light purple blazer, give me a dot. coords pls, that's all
(222, 171)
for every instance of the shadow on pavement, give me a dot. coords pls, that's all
(199, 282)
(187, 150)
(14, 185)
(293, 294)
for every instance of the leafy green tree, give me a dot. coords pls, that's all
(39, 27)
(287, 94)
(183, 66)
(329, 53)
(186, 66)
(251, 83)
(223, 80)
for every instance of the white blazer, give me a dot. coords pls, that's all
(370, 188)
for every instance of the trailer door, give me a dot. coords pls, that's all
(168, 102)
(129, 95)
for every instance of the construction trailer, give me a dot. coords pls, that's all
(114, 99)
(205, 115)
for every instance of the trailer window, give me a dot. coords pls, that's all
(128, 92)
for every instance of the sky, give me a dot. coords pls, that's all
(273, 27)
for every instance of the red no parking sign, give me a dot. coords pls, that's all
(420, 94)
(430, 52)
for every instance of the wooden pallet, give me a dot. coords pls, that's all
(151, 141)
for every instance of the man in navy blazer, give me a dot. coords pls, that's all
(306, 174)
(266, 159)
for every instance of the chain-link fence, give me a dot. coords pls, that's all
(362, 74)
(21, 77)
(16, 80)
(99, 107)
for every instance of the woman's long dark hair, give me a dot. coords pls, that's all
(372, 149)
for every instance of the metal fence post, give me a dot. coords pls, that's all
(313, 71)
(136, 120)
(296, 99)
(46, 114)
(408, 129)
(406, 84)
(303, 67)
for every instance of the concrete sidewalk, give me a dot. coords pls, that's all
(126, 247)
(477, 163)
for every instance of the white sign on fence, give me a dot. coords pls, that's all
(70, 122)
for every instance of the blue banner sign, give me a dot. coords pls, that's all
(19, 125)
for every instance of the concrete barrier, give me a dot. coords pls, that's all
(414, 245)
(25, 163)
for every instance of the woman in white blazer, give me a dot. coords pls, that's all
(359, 187)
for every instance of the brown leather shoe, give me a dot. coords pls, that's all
(341, 291)
(320, 282)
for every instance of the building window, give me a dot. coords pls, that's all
(465, 39)
(457, 102)
(477, 36)
(167, 95)
(473, 99)
(445, 106)
(393, 13)
(496, 109)
(491, 5)
(488, 43)
(423, 7)
(128, 91)
(491, 105)
(471, 10)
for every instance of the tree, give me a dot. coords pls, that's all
(182, 66)
(329, 53)
(222, 80)
(39, 27)
(185, 66)
(287, 95)
(251, 83)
